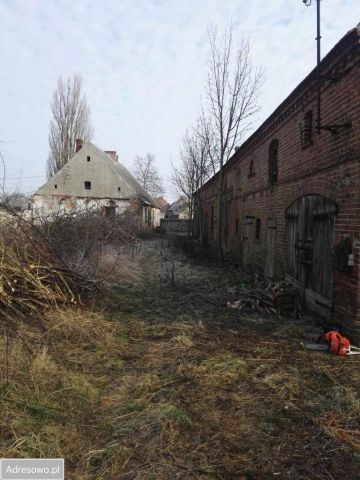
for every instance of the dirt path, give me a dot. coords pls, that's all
(153, 261)
(210, 393)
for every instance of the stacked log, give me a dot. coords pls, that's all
(276, 298)
(283, 296)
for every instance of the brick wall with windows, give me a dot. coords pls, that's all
(286, 158)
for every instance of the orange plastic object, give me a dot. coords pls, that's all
(339, 345)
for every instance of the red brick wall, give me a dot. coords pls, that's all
(330, 166)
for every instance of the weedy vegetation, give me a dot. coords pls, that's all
(153, 379)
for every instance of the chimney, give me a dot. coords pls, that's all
(112, 154)
(78, 144)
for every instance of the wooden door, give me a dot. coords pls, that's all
(246, 240)
(270, 249)
(205, 229)
(227, 227)
(310, 233)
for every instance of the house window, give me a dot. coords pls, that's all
(251, 169)
(306, 129)
(257, 229)
(55, 186)
(88, 158)
(119, 188)
(273, 161)
(87, 185)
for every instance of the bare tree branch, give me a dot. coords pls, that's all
(147, 174)
(195, 165)
(232, 93)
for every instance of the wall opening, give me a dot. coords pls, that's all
(273, 161)
(110, 212)
(257, 229)
(306, 129)
(251, 169)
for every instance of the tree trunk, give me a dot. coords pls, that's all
(220, 214)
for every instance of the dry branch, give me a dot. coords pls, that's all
(278, 297)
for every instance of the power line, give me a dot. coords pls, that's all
(21, 178)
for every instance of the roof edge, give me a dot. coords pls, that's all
(351, 38)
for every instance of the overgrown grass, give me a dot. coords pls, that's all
(164, 382)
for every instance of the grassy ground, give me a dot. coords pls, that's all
(162, 381)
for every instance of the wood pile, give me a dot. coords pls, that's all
(276, 298)
(33, 278)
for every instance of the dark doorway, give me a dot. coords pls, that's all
(110, 212)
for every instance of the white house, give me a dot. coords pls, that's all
(94, 179)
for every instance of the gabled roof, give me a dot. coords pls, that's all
(162, 203)
(105, 174)
(124, 173)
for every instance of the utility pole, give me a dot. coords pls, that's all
(307, 3)
(333, 128)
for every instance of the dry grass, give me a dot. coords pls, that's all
(166, 383)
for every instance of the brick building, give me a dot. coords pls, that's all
(292, 195)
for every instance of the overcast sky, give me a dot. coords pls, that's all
(143, 65)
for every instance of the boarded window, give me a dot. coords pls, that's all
(87, 185)
(306, 129)
(257, 229)
(273, 161)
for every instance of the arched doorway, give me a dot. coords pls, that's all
(310, 234)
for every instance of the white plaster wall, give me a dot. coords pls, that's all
(157, 216)
(45, 206)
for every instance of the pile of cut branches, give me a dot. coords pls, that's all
(277, 297)
(32, 276)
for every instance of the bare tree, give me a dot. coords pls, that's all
(146, 173)
(71, 120)
(183, 177)
(194, 168)
(232, 92)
